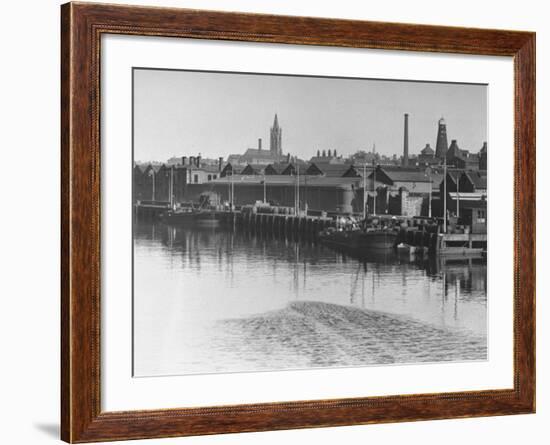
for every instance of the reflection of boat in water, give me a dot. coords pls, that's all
(207, 218)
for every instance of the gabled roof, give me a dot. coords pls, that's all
(403, 175)
(142, 167)
(279, 167)
(333, 170)
(427, 150)
(230, 167)
(270, 169)
(454, 175)
(356, 171)
(313, 169)
(253, 169)
(478, 180)
(454, 151)
(353, 172)
(290, 169)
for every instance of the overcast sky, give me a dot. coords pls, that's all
(179, 113)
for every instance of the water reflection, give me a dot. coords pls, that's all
(219, 301)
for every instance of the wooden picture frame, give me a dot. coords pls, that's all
(82, 25)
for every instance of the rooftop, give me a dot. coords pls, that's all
(404, 175)
(286, 180)
(334, 170)
(478, 179)
(265, 154)
(427, 150)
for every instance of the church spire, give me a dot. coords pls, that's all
(276, 145)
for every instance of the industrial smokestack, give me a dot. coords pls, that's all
(406, 142)
(259, 143)
(441, 145)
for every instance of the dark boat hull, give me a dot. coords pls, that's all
(207, 219)
(361, 242)
(196, 218)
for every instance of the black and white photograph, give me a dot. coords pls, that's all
(285, 222)
(230, 222)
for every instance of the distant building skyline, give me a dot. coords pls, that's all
(178, 113)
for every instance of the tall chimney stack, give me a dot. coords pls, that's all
(259, 143)
(184, 160)
(406, 142)
(441, 145)
(220, 163)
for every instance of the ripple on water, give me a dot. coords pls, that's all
(316, 334)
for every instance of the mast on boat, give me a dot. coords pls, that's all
(364, 191)
(172, 187)
(265, 191)
(457, 195)
(298, 187)
(373, 187)
(232, 191)
(445, 194)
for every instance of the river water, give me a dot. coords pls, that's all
(214, 300)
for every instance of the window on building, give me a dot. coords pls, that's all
(196, 179)
(215, 177)
(481, 216)
(210, 177)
